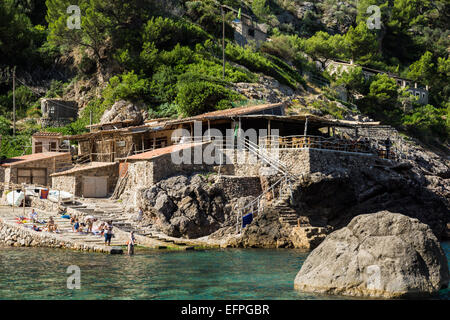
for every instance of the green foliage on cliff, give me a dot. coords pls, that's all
(166, 56)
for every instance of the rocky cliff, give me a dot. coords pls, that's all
(197, 205)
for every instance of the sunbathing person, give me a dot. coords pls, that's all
(34, 216)
(51, 226)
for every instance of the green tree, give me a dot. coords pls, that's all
(384, 90)
(353, 81)
(423, 69)
(198, 97)
(322, 47)
(361, 44)
(260, 8)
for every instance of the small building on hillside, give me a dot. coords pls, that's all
(417, 90)
(246, 29)
(34, 169)
(92, 180)
(58, 112)
(46, 142)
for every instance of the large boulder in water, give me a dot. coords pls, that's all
(378, 255)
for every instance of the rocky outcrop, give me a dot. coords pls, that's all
(197, 205)
(379, 255)
(265, 231)
(267, 89)
(121, 111)
(336, 195)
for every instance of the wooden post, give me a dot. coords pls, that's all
(14, 101)
(306, 127)
(223, 42)
(90, 121)
(142, 140)
(24, 196)
(13, 198)
(209, 130)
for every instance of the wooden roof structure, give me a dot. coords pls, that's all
(10, 162)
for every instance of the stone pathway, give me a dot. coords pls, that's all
(111, 210)
(64, 226)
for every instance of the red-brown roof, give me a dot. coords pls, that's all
(48, 134)
(84, 167)
(32, 157)
(233, 112)
(160, 151)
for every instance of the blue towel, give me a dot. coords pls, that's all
(247, 219)
(65, 217)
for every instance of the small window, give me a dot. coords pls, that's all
(37, 147)
(53, 146)
(251, 33)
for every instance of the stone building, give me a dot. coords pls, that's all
(93, 180)
(113, 141)
(58, 112)
(46, 142)
(246, 29)
(417, 90)
(34, 169)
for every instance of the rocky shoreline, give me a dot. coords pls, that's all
(16, 236)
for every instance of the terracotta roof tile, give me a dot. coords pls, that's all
(160, 151)
(47, 134)
(235, 111)
(84, 167)
(32, 157)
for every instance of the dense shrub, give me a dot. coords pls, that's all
(257, 62)
(198, 97)
(165, 33)
(426, 122)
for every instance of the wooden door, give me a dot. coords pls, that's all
(95, 187)
(32, 176)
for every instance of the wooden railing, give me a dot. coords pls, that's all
(317, 142)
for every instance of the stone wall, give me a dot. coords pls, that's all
(73, 182)
(304, 161)
(64, 183)
(237, 187)
(325, 160)
(51, 165)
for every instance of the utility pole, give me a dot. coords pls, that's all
(223, 41)
(90, 121)
(14, 101)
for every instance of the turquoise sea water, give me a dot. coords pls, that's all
(40, 273)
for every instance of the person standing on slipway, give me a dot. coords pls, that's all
(108, 233)
(131, 243)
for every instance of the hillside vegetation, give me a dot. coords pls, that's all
(165, 56)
